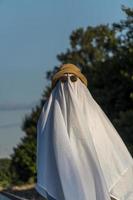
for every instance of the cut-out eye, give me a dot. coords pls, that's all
(73, 78)
(63, 79)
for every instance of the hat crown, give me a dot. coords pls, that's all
(69, 66)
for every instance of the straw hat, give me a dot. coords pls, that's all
(68, 68)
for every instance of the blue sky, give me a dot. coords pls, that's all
(32, 33)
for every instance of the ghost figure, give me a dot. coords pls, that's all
(80, 155)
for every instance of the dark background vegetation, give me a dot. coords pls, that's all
(104, 54)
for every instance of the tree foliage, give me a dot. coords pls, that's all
(5, 176)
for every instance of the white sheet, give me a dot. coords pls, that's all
(80, 155)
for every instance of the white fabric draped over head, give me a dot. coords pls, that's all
(80, 155)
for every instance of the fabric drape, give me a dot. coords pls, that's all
(80, 155)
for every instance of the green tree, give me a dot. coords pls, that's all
(105, 55)
(23, 159)
(5, 176)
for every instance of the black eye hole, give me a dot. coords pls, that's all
(63, 79)
(73, 78)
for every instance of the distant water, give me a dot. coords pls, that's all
(2, 197)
